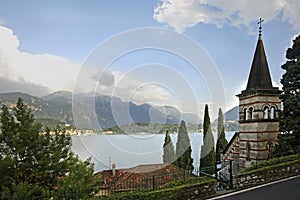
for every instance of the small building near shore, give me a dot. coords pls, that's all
(150, 176)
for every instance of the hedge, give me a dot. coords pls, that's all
(267, 169)
(170, 191)
(273, 161)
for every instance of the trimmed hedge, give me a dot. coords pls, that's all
(170, 191)
(268, 173)
(272, 162)
(267, 169)
(189, 181)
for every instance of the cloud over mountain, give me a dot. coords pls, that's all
(39, 74)
(45, 70)
(7, 85)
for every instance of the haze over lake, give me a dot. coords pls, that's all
(130, 150)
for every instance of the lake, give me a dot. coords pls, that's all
(130, 150)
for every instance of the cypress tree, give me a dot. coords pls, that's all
(207, 155)
(183, 149)
(206, 121)
(221, 145)
(221, 141)
(289, 142)
(220, 122)
(168, 149)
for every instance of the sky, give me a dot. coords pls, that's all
(47, 46)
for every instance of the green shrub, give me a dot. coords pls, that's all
(195, 180)
(268, 169)
(169, 191)
(274, 161)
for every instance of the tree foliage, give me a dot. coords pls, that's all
(37, 163)
(221, 141)
(220, 122)
(208, 154)
(221, 145)
(206, 121)
(183, 149)
(289, 142)
(168, 149)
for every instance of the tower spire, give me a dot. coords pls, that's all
(259, 77)
(260, 27)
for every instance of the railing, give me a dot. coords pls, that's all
(137, 181)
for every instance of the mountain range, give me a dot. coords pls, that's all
(109, 111)
(232, 114)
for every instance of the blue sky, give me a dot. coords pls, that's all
(44, 44)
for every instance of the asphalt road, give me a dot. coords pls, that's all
(286, 190)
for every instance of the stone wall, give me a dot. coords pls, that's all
(232, 150)
(198, 191)
(267, 174)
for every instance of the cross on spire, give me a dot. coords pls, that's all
(260, 27)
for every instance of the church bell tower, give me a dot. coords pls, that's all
(259, 107)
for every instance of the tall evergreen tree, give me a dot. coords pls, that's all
(221, 145)
(168, 148)
(220, 122)
(206, 121)
(35, 162)
(289, 142)
(183, 149)
(221, 141)
(207, 155)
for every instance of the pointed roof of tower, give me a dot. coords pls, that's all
(259, 77)
(259, 80)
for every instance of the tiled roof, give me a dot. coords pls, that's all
(146, 168)
(140, 176)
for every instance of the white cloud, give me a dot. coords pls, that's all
(27, 72)
(129, 88)
(49, 71)
(181, 14)
(104, 78)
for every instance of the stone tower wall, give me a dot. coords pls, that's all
(259, 130)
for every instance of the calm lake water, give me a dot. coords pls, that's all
(130, 150)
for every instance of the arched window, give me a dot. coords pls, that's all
(245, 114)
(272, 114)
(251, 113)
(248, 146)
(266, 112)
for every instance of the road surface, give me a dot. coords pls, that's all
(288, 189)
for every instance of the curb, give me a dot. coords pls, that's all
(231, 193)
